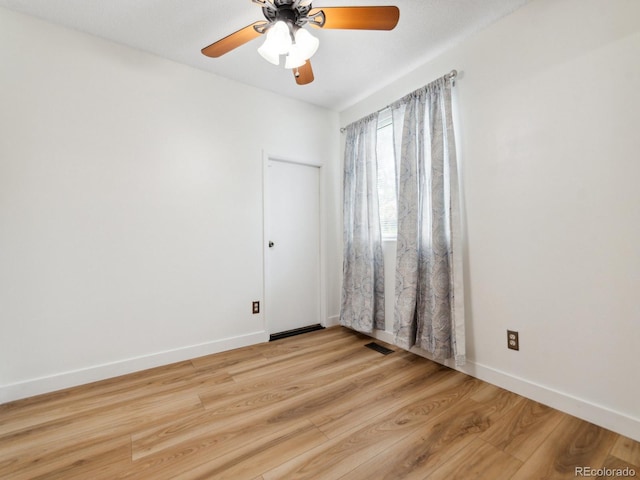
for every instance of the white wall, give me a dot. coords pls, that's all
(131, 206)
(549, 108)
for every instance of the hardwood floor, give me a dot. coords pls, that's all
(315, 406)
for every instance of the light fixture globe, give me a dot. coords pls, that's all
(306, 43)
(294, 58)
(280, 37)
(278, 42)
(269, 53)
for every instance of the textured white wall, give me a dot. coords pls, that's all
(131, 205)
(548, 109)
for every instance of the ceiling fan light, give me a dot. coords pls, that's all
(279, 36)
(269, 53)
(306, 43)
(294, 59)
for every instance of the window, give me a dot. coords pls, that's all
(387, 177)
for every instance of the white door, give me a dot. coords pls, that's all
(292, 253)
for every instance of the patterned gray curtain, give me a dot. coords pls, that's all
(362, 306)
(429, 310)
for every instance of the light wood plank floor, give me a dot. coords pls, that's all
(316, 406)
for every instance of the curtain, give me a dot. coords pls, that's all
(429, 310)
(362, 306)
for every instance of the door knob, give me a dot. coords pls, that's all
(271, 244)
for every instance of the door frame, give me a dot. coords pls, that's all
(322, 294)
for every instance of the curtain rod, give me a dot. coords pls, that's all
(449, 76)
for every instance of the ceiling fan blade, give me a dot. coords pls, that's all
(304, 74)
(232, 41)
(359, 18)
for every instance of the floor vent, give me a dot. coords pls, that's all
(379, 348)
(296, 331)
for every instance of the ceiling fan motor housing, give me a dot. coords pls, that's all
(292, 12)
(287, 11)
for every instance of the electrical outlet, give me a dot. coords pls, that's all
(513, 340)
(256, 307)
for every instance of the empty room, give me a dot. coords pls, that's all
(284, 239)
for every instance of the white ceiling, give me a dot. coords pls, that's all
(348, 65)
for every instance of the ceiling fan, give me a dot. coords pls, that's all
(286, 35)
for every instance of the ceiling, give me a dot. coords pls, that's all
(348, 66)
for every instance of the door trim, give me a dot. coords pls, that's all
(266, 158)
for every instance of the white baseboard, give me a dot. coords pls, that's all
(578, 407)
(74, 378)
(597, 414)
(333, 321)
(384, 336)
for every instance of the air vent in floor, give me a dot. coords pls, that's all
(379, 348)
